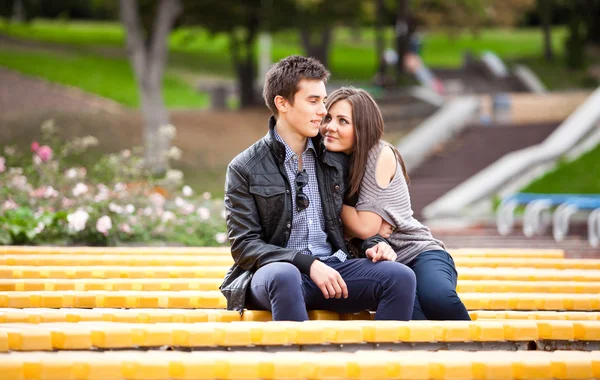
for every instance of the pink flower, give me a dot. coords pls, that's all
(35, 146)
(104, 224)
(221, 237)
(124, 227)
(204, 213)
(67, 202)
(44, 153)
(2, 164)
(79, 189)
(9, 205)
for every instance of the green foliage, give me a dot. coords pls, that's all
(580, 176)
(198, 44)
(556, 76)
(110, 78)
(46, 200)
(22, 226)
(196, 50)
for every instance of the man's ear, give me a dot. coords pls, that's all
(281, 103)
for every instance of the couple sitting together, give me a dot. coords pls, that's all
(319, 214)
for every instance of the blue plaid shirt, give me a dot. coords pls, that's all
(308, 233)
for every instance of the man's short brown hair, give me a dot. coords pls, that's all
(283, 77)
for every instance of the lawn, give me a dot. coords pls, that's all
(352, 58)
(110, 78)
(580, 176)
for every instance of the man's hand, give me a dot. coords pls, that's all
(328, 280)
(381, 252)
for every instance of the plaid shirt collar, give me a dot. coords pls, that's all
(289, 153)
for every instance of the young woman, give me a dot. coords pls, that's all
(377, 176)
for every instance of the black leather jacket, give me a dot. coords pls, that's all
(258, 203)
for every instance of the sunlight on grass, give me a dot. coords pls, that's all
(581, 176)
(351, 58)
(110, 78)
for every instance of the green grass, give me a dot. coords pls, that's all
(195, 48)
(580, 176)
(196, 51)
(110, 78)
(556, 76)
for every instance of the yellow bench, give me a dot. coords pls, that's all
(110, 284)
(186, 299)
(107, 271)
(88, 335)
(497, 286)
(545, 315)
(114, 260)
(199, 251)
(515, 262)
(225, 251)
(226, 260)
(214, 299)
(528, 274)
(374, 365)
(39, 315)
(148, 284)
(218, 272)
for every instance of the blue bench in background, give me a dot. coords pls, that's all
(541, 210)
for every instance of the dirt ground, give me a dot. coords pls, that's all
(209, 139)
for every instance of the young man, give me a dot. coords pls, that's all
(283, 198)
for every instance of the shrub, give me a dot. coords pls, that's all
(115, 200)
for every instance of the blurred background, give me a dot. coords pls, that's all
(118, 118)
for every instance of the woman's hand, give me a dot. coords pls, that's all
(381, 252)
(386, 230)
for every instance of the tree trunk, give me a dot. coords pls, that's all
(545, 9)
(593, 26)
(18, 14)
(317, 49)
(244, 60)
(155, 117)
(402, 35)
(148, 56)
(246, 74)
(380, 38)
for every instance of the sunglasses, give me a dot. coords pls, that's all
(302, 201)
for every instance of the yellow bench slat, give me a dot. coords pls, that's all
(415, 365)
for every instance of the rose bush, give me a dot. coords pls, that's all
(45, 199)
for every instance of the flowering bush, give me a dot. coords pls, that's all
(44, 199)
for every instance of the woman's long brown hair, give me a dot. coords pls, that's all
(368, 130)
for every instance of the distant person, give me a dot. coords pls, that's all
(379, 185)
(283, 199)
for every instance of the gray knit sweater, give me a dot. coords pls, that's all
(392, 203)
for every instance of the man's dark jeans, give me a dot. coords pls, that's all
(436, 288)
(387, 287)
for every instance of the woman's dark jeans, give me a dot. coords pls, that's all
(436, 297)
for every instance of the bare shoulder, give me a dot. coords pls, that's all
(386, 166)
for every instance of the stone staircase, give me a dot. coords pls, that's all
(467, 154)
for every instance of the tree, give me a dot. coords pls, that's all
(470, 14)
(241, 21)
(545, 10)
(404, 30)
(19, 10)
(379, 36)
(147, 50)
(316, 19)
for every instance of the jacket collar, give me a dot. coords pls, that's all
(277, 147)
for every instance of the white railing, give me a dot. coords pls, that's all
(439, 128)
(485, 183)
